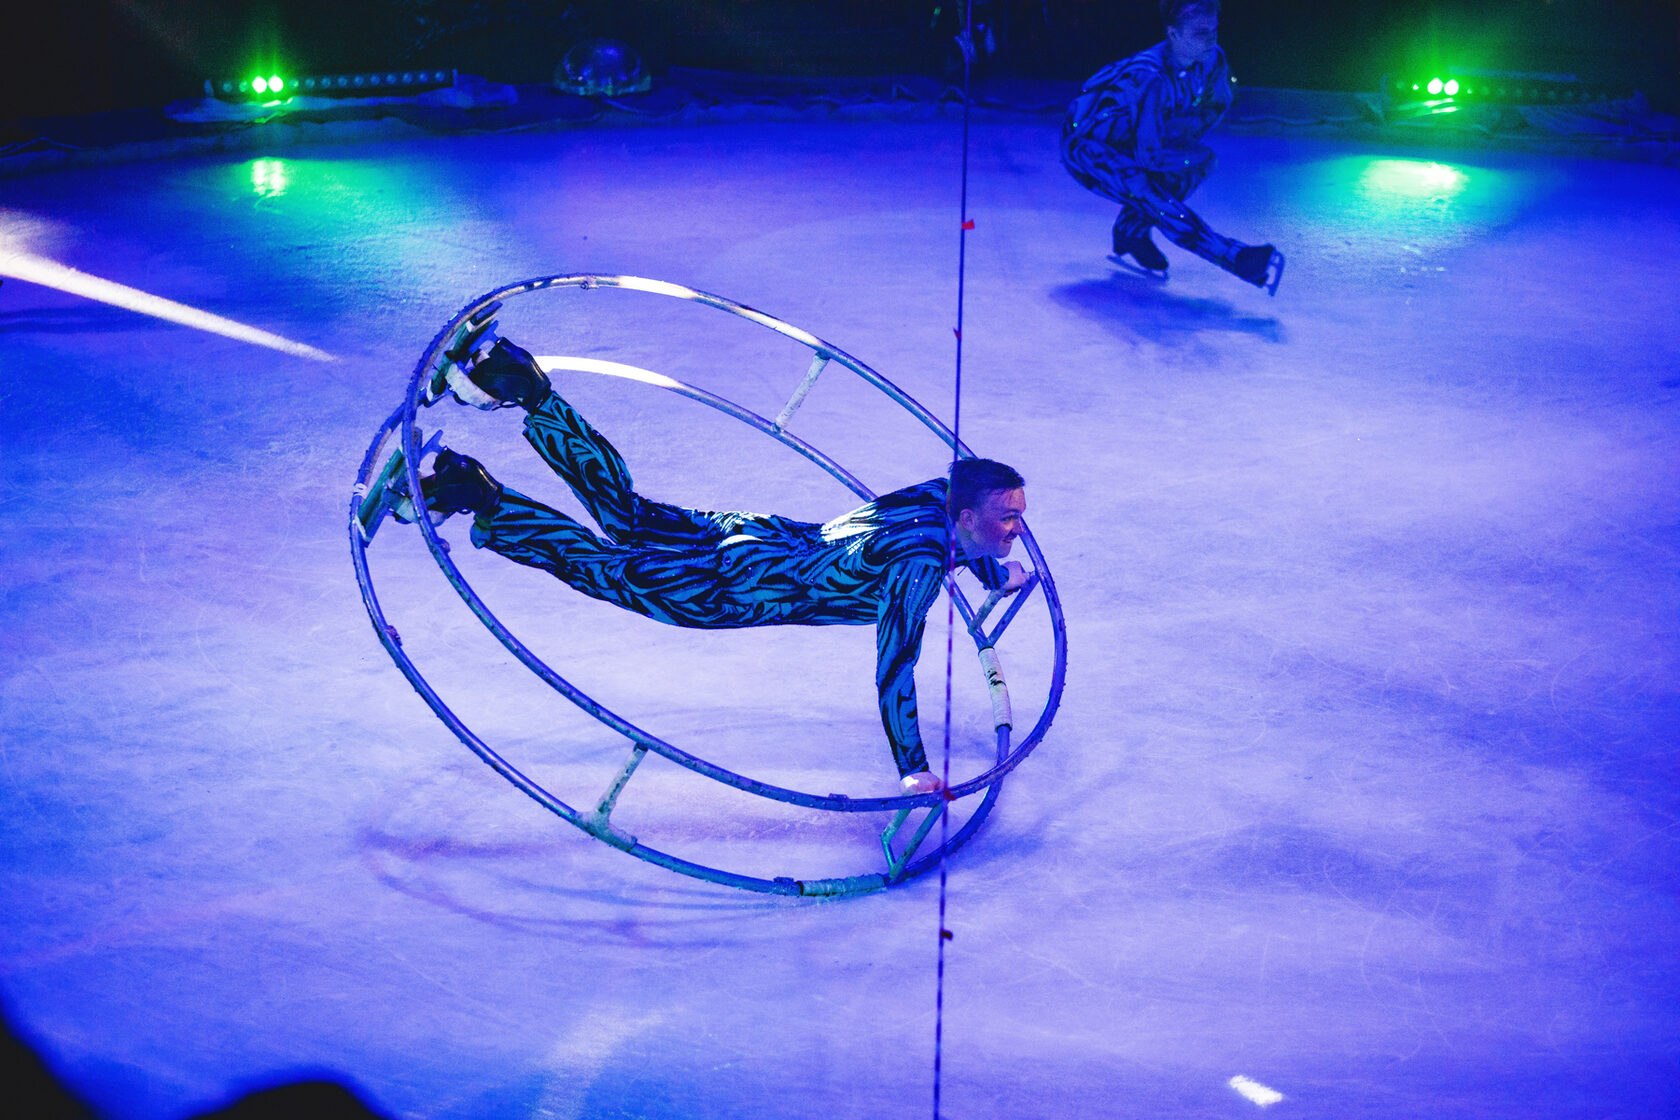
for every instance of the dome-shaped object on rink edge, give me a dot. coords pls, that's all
(602, 68)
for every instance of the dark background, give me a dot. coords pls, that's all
(83, 56)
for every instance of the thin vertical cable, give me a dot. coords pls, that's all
(950, 569)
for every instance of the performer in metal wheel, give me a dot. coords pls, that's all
(1134, 135)
(880, 564)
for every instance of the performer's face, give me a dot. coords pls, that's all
(991, 528)
(1194, 38)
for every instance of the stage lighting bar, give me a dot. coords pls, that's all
(279, 86)
(1445, 90)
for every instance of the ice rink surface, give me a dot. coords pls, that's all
(1363, 787)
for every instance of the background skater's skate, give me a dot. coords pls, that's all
(1260, 265)
(1138, 254)
(1127, 264)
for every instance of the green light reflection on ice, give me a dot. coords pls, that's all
(1413, 204)
(270, 177)
(1403, 181)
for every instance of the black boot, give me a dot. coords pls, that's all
(1141, 248)
(511, 376)
(460, 484)
(1253, 264)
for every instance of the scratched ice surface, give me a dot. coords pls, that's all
(1363, 788)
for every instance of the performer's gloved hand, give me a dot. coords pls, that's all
(922, 781)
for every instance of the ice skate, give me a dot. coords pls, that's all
(471, 340)
(458, 484)
(504, 376)
(1143, 252)
(1260, 265)
(388, 493)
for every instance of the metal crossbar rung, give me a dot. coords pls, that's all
(819, 362)
(896, 864)
(976, 626)
(992, 600)
(955, 591)
(599, 822)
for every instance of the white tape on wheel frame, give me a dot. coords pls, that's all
(1001, 715)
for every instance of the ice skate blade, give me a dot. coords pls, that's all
(1274, 273)
(405, 512)
(466, 392)
(1126, 264)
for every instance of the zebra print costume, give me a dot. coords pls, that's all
(1134, 134)
(881, 564)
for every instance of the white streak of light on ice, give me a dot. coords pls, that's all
(50, 274)
(576, 1060)
(1252, 1090)
(550, 363)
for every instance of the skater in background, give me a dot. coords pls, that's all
(882, 564)
(1134, 135)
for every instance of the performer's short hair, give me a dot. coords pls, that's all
(973, 479)
(1175, 12)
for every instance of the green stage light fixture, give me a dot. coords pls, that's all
(277, 87)
(1403, 92)
(1405, 96)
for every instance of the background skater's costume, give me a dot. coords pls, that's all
(1134, 135)
(883, 563)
